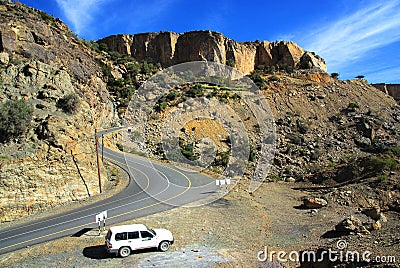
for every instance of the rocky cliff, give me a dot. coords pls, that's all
(170, 48)
(41, 61)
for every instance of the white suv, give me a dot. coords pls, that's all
(125, 238)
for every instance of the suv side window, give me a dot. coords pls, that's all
(120, 236)
(146, 234)
(133, 235)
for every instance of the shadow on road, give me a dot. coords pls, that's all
(81, 232)
(97, 252)
(100, 253)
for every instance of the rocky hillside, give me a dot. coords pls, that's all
(328, 131)
(170, 48)
(45, 66)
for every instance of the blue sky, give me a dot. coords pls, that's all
(355, 37)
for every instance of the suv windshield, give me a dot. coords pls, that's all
(151, 231)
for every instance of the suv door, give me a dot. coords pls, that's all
(134, 240)
(148, 240)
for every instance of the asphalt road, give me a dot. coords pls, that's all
(154, 187)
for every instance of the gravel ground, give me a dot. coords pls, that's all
(227, 233)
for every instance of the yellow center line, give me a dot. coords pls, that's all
(116, 216)
(83, 210)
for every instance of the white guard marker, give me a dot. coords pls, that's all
(228, 181)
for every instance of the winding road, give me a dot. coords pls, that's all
(154, 187)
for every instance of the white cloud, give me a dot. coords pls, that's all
(390, 74)
(80, 12)
(352, 37)
(145, 14)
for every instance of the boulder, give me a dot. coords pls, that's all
(352, 224)
(373, 212)
(314, 202)
(4, 58)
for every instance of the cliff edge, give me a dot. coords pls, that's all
(169, 48)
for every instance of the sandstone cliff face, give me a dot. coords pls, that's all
(170, 48)
(41, 62)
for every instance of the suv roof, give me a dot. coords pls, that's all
(130, 227)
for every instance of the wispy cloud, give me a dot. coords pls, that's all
(146, 13)
(352, 37)
(389, 74)
(80, 12)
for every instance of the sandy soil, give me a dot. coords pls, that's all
(227, 233)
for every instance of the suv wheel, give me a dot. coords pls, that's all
(124, 252)
(164, 246)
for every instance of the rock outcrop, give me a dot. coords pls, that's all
(41, 61)
(170, 48)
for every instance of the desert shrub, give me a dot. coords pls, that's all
(378, 165)
(48, 18)
(352, 106)
(258, 80)
(286, 68)
(195, 91)
(252, 154)
(149, 68)
(161, 106)
(119, 146)
(188, 151)
(275, 177)
(302, 126)
(273, 78)
(222, 158)
(334, 75)
(172, 96)
(103, 47)
(69, 103)
(133, 67)
(15, 118)
(395, 150)
(231, 62)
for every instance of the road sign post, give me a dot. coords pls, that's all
(225, 182)
(101, 217)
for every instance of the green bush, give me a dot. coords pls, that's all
(334, 75)
(231, 62)
(195, 91)
(48, 18)
(188, 151)
(119, 146)
(395, 150)
(273, 79)
(69, 103)
(15, 118)
(353, 106)
(252, 154)
(378, 165)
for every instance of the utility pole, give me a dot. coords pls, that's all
(97, 156)
(102, 148)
